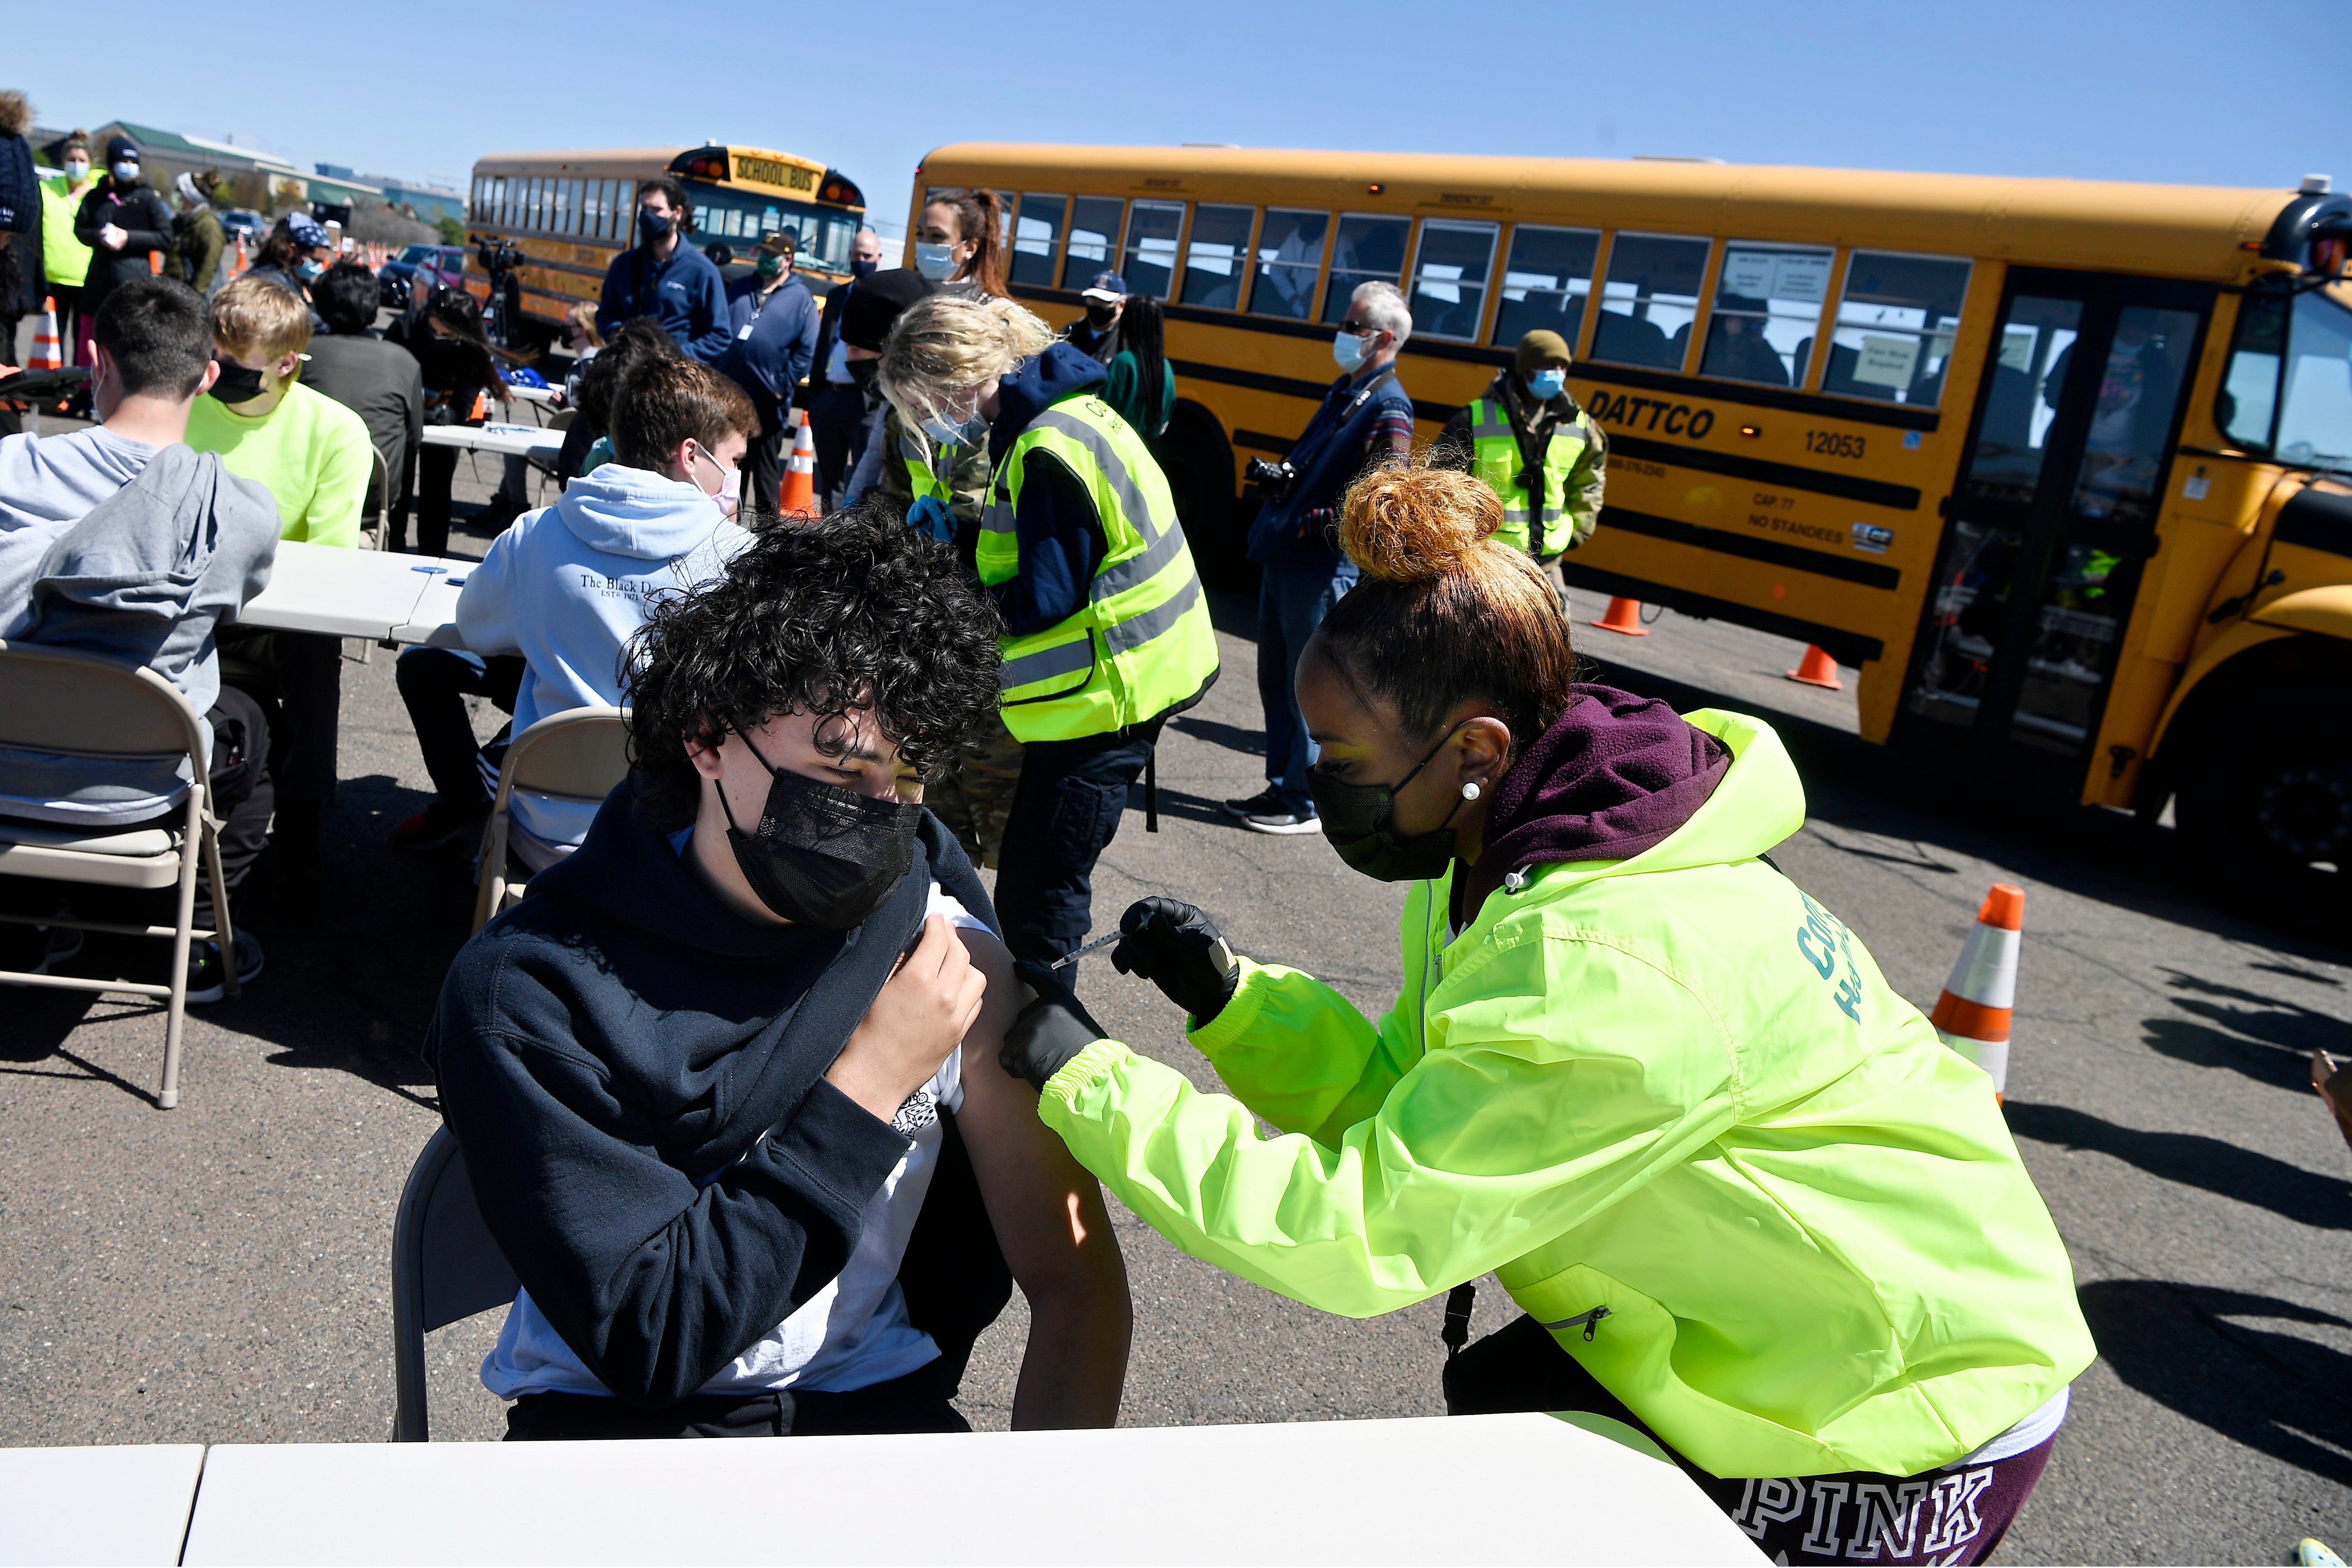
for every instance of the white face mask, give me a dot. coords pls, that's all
(77, 170)
(730, 493)
(126, 171)
(936, 262)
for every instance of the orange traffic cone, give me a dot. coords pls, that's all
(1972, 1015)
(797, 496)
(237, 268)
(1623, 616)
(1818, 668)
(47, 354)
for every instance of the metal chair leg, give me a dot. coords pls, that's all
(190, 847)
(223, 930)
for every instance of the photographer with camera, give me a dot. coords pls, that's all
(1366, 420)
(667, 279)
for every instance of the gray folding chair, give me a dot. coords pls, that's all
(77, 704)
(444, 1269)
(578, 754)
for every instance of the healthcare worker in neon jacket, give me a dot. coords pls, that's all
(1748, 1200)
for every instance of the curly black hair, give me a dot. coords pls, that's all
(856, 611)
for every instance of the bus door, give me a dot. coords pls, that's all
(2051, 519)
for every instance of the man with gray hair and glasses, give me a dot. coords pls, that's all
(1366, 419)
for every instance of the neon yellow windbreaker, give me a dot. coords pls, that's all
(1674, 1087)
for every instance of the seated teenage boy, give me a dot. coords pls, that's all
(707, 1077)
(313, 454)
(118, 540)
(564, 588)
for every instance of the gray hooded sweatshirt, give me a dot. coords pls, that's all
(143, 579)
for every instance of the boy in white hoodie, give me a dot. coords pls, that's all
(567, 586)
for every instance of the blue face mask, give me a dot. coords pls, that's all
(654, 228)
(936, 262)
(1349, 350)
(1547, 384)
(968, 434)
(308, 271)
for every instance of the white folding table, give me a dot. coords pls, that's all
(535, 442)
(124, 1504)
(358, 592)
(1483, 1489)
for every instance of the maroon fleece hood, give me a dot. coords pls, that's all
(1616, 775)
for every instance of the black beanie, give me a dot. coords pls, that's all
(120, 147)
(875, 303)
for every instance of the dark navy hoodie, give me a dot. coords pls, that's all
(606, 1052)
(1061, 537)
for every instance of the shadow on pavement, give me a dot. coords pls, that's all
(2278, 1393)
(2268, 1040)
(2323, 1203)
(1233, 737)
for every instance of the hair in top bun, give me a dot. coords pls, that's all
(1410, 524)
(1446, 612)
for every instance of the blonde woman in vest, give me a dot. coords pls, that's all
(1754, 1211)
(1106, 631)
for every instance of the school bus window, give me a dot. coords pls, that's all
(1449, 277)
(1149, 261)
(1094, 231)
(2123, 457)
(1215, 254)
(1289, 256)
(1895, 321)
(1546, 283)
(2315, 425)
(2249, 394)
(2028, 379)
(1036, 235)
(569, 204)
(1369, 249)
(1768, 306)
(1650, 299)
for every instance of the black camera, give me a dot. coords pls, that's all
(1273, 479)
(499, 256)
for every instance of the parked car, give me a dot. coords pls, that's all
(428, 265)
(245, 221)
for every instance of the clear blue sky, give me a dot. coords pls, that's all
(2161, 91)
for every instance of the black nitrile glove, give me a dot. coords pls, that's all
(1176, 947)
(1049, 1031)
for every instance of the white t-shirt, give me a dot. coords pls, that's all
(852, 1333)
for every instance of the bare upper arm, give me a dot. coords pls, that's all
(1047, 1209)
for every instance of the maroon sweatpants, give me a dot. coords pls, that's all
(1956, 1516)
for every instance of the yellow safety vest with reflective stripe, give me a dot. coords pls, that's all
(1142, 645)
(1495, 459)
(921, 476)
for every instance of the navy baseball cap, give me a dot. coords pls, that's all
(1105, 286)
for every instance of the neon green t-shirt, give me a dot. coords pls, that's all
(310, 451)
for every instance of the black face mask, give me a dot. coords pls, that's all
(862, 371)
(864, 268)
(236, 384)
(653, 228)
(1359, 819)
(824, 855)
(1101, 316)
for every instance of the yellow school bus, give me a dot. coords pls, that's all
(2061, 465)
(570, 213)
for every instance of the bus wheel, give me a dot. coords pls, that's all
(2268, 812)
(1198, 463)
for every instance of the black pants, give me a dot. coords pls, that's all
(437, 467)
(763, 458)
(297, 677)
(834, 414)
(915, 1403)
(1946, 1516)
(1065, 812)
(434, 683)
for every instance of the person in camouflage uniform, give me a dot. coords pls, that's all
(1530, 443)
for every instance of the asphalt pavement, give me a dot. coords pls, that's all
(218, 1272)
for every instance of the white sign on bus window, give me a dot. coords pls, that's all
(1886, 361)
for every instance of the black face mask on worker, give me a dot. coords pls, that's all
(823, 856)
(1101, 316)
(863, 371)
(1361, 820)
(236, 384)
